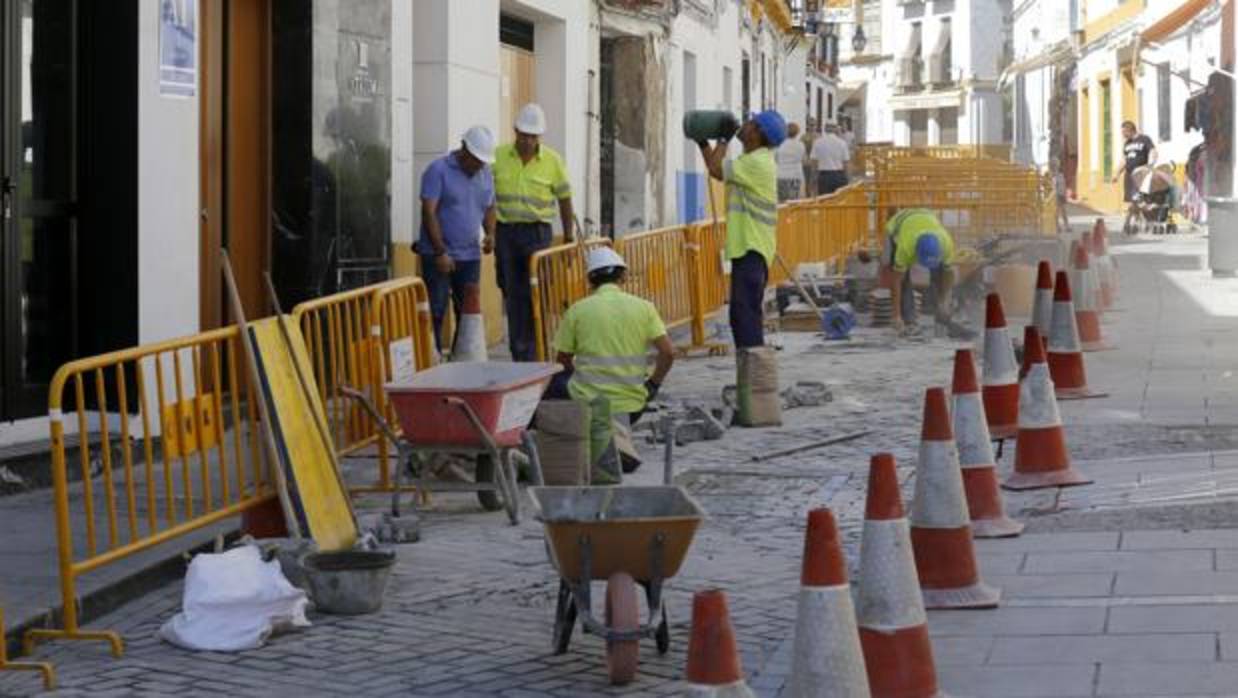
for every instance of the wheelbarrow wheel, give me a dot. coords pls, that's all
(622, 614)
(484, 473)
(565, 618)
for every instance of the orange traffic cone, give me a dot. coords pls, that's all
(1040, 458)
(1042, 305)
(1087, 317)
(940, 525)
(713, 658)
(893, 624)
(1030, 334)
(1104, 265)
(1070, 380)
(971, 434)
(1001, 374)
(470, 344)
(827, 661)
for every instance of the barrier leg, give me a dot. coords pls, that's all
(49, 674)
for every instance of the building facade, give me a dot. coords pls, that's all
(1093, 65)
(139, 137)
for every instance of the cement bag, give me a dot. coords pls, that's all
(563, 441)
(760, 405)
(234, 601)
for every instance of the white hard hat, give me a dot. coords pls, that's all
(602, 258)
(479, 141)
(531, 119)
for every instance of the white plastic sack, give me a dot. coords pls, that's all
(234, 601)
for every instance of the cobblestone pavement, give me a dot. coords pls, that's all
(468, 611)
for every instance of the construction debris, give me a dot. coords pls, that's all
(810, 446)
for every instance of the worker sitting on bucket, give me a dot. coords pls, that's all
(915, 236)
(603, 342)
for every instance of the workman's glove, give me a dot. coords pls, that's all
(652, 389)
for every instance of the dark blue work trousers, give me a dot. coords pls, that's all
(749, 275)
(515, 245)
(439, 286)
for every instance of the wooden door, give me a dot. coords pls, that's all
(235, 162)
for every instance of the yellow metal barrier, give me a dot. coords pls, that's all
(404, 341)
(44, 669)
(557, 280)
(190, 401)
(337, 335)
(656, 261)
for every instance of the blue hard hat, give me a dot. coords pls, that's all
(928, 251)
(772, 126)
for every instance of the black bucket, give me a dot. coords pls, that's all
(349, 582)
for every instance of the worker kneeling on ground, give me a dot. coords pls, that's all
(603, 342)
(915, 236)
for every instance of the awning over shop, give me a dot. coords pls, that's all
(1175, 20)
(1059, 53)
(778, 13)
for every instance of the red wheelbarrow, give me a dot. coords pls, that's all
(480, 409)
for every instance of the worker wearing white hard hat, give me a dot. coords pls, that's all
(532, 186)
(458, 219)
(604, 342)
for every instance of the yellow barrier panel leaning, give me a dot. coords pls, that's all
(557, 279)
(187, 399)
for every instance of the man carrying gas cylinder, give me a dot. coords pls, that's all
(603, 343)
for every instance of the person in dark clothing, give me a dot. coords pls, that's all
(1139, 150)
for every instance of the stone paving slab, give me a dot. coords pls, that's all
(1178, 540)
(1173, 619)
(1044, 681)
(1168, 679)
(1118, 561)
(1074, 649)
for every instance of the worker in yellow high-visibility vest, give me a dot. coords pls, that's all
(915, 236)
(751, 218)
(604, 341)
(530, 182)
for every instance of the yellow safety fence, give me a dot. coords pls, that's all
(172, 430)
(681, 269)
(362, 339)
(45, 670)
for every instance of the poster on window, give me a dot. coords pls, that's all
(178, 71)
(838, 11)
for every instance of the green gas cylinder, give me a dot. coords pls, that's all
(709, 124)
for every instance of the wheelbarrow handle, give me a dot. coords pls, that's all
(480, 428)
(368, 405)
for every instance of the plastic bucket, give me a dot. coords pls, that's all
(351, 582)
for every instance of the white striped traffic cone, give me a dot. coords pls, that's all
(827, 661)
(470, 344)
(1001, 373)
(713, 668)
(1042, 306)
(940, 524)
(1084, 292)
(1070, 381)
(1041, 459)
(971, 434)
(890, 611)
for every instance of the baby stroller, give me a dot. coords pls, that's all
(1156, 195)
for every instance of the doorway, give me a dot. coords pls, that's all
(68, 252)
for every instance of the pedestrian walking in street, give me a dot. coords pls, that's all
(915, 236)
(529, 179)
(811, 134)
(752, 215)
(831, 154)
(457, 223)
(1138, 150)
(790, 156)
(602, 343)
(1059, 192)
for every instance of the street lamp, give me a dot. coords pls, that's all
(858, 40)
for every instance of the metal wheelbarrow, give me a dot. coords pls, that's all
(625, 536)
(480, 409)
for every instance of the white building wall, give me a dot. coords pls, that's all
(1194, 51)
(168, 237)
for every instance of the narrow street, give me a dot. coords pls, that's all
(1121, 588)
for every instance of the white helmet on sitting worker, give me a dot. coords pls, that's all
(479, 141)
(531, 119)
(600, 258)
